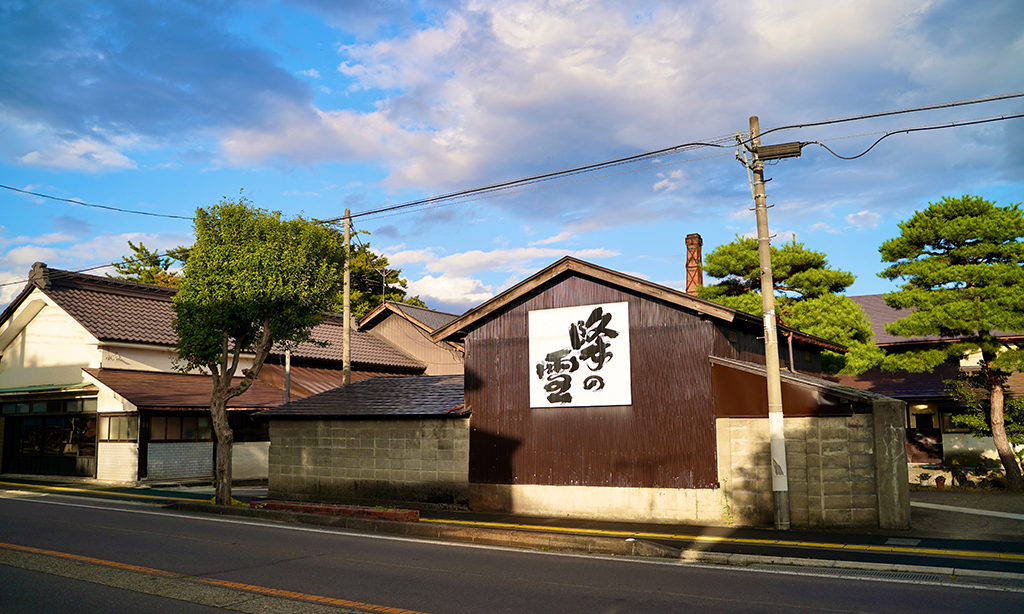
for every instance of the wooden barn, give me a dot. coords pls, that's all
(597, 394)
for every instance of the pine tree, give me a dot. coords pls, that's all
(962, 265)
(807, 297)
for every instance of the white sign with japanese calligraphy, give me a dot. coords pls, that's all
(579, 356)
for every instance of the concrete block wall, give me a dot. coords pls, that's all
(831, 466)
(415, 460)
(117, 461)
(191, 459)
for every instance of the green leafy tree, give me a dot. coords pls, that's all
(969, 390)
(807, 297)
(251, 280)
(150, 267)
(962, 265)
(373, 282)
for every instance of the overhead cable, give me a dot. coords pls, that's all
(84, 204)
(443, 200)
(970, 122)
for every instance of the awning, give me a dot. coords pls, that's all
(154, 390)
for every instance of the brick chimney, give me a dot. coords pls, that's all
(694, 263)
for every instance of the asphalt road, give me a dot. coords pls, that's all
(192, 557)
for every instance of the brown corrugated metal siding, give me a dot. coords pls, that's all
(666, 439)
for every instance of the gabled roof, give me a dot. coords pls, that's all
(116, 310)
(879, 314)
(157, 390)
(456, 330)
(427, 319)
(415, 396)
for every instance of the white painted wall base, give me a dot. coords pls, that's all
(706, 505)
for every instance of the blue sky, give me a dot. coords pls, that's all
(314, 106)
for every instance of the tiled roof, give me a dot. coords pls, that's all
(901, 384)
(432, 319)
(880, 314)
(423, 395)
(307, 381)
(158, 390)
(367, 349)
(127, 311)
(904, 385)
(115, 310)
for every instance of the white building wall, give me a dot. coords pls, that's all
(117, 461)
(250, 460)
(51, 349)
(139, 358)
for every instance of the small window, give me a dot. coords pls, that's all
(174, 428)
(158, 428)
(119, 428)
(179, 428)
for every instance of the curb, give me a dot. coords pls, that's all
(335, 509)
(590, 544)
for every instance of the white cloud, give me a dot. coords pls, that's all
(822, 227)
(558, 238)
(455, 292)
(406, 257)
(78, 155)
(522, 259)
(669, 183)
(310, 72)
(864, 219)
(12, 282)
(24, 256)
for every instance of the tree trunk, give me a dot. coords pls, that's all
(225, 442)
(1003, 447)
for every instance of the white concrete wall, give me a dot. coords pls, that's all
(964, 444)
(117, 461)
(249, 460)
(52, 349)
(137, 358)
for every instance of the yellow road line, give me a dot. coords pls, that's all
(263, 590)
(95, 492)
(735, 540)
(88, 559)
(306, 597)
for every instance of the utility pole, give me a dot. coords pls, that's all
(346, 352)
(780, 473)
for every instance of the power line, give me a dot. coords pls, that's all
(970, 122)
(78, 202)
(931, 107)
(551, 185)
(58, 273)
(721, 142)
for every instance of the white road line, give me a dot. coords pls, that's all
(967, 510)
